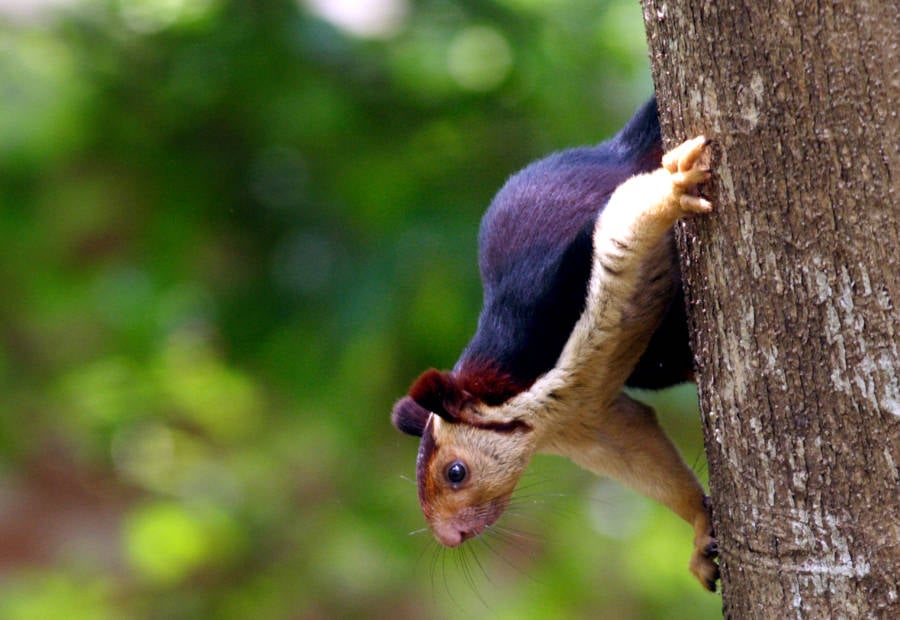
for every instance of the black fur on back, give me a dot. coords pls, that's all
(535, 259)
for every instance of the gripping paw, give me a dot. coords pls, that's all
(706, 549)
(703, 562)
(687, 168)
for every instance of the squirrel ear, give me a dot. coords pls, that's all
(437, 392)
(409, 417)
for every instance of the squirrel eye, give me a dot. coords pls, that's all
(457, 472)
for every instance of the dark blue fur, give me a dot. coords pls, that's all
(535, 259)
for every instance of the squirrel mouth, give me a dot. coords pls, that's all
(468, 522)
(452, 536)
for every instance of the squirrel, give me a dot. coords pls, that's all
(582, 296)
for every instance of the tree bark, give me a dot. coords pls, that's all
(793, 285)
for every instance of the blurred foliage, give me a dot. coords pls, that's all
(234, 231)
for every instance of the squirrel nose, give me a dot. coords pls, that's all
(452, 536)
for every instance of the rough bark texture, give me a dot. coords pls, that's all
(793, 287)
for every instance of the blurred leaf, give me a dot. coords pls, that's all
(42, 98)
(56, 595)
(168, 542)
(220, 400)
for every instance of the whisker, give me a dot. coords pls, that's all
(480, 565)
(467, 551)
(601, 501)
(505, 559)
(537, 494)
(444, 575)
(528, 506)
(422, 553)
(513, 535)
(435, 556)
(537, 502)
(531, 484)
(700, 464)
(519, 493)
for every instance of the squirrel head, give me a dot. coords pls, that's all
(471, 454)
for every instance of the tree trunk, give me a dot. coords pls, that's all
(793, 285)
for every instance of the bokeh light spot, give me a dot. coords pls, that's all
(374, 19)
(165, 543)
(479, 58)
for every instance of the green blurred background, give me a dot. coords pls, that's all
(233, 232)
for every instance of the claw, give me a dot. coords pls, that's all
(683, 156)
(687, 171)
(706, 549)
(695, 149)
(695, 204)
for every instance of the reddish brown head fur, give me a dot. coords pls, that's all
(460, 429)
(488, 383)
(440, 393)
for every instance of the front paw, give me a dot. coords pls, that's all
(688, 168)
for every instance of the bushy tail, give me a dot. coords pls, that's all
(640, 137)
